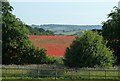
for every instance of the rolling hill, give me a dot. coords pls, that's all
(67, 30)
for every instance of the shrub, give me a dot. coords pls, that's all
(88, 50)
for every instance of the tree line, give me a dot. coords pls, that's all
(38, 31)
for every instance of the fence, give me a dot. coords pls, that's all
(60, 73)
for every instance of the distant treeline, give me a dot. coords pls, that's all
(61, 27)
(38, 31)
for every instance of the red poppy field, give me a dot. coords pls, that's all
(55, 45)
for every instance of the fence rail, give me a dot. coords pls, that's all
(62, 73)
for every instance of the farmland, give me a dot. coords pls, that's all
(48, 73)
(55, 45)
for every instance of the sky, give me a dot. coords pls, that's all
(74, 13)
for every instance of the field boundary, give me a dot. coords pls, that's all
(51, 72)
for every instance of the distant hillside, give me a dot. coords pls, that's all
(59, 27)
(73, 30)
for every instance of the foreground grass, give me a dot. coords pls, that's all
(35, 79)
(64, 75)
(51, 74)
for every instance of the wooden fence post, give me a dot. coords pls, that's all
(89, 75)
(6, 72)
(38, 71)
(22, 72)
(118, 73)
(55, 74)
(105, 75)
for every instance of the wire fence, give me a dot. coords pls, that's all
(60, 72)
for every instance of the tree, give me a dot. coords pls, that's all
(0, 33)
(111, 32)
(16, 47)
(38, 31)
(89, 50)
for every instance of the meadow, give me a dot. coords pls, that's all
(56, 80)
(50, 72)
(55, 45)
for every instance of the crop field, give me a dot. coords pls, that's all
(55, 45)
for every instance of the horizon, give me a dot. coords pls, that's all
(67, 24)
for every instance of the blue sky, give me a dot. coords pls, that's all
(80, 13)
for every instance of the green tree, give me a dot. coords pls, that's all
(38, 31)
(89, 50)
(111, 32)
(16, 47)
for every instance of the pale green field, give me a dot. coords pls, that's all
(69, 32)
(65, 74)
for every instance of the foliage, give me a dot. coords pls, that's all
(50, 60)
(38, 31)
(54, 60)
(34, 56)
(16, 47)
(111, 32)
(89, 50)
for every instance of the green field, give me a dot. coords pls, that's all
(57, 80)
(51, 73)
(70, 33)
(16, 74)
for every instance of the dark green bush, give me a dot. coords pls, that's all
(89, 50)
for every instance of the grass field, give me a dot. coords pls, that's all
(48, 73)
(57, 80)
(60, 74)
(70, 33)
